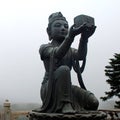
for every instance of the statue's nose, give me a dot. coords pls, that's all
(62, 28)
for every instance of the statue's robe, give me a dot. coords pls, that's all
(57, 88)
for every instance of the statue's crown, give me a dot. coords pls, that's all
(56, 16)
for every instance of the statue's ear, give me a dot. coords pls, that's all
(49, 33)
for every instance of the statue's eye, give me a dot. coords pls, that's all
(57, 25)
(66, 25)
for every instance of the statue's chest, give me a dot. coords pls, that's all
(66, 60)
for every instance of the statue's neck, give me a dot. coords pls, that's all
(57, 42)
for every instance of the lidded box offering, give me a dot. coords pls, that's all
(81, 19)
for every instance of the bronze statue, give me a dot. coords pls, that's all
(57, 92)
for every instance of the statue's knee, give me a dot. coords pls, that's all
(64, 69)
(62, 73)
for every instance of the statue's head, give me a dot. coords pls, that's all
(55, 20)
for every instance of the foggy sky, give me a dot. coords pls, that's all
(23, 29)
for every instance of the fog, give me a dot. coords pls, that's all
(23, 29)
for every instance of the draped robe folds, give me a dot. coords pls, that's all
(57, 88)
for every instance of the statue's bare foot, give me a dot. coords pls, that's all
(68, 109)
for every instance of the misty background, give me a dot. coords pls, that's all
(23, 26)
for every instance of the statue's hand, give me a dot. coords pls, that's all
(74, 31)
(88, 31)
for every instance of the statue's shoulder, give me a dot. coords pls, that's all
(45, 50)
(44, 46)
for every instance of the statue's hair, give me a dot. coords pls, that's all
(53, 17)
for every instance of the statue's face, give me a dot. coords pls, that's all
(59, 29)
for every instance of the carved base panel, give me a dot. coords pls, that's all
(85, 115)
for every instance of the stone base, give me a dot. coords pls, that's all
(83, 115)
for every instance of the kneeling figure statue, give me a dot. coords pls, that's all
(57, 92)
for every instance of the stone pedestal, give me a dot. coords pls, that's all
(84, 115)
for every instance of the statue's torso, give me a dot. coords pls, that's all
(66, 60)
